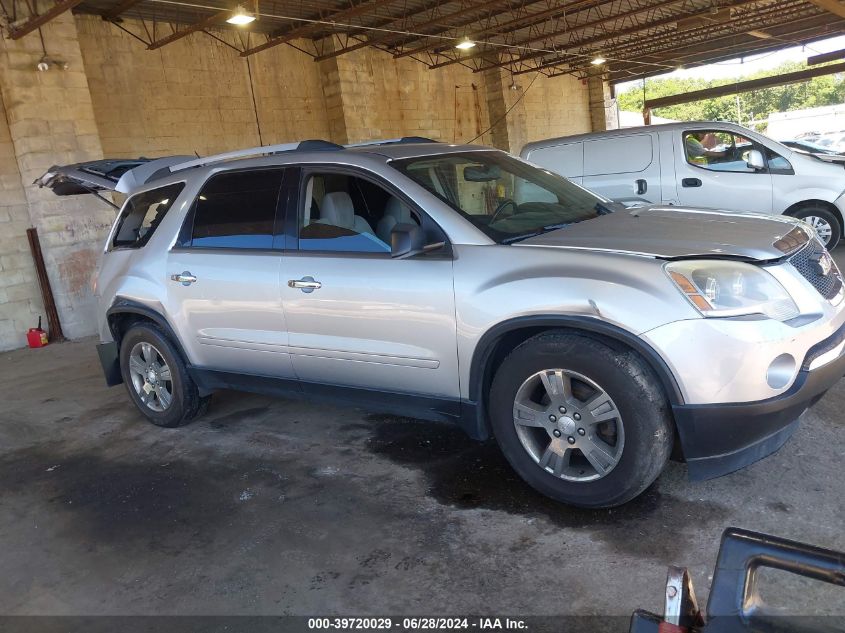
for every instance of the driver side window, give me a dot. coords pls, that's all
(340, 212)
(718, 150)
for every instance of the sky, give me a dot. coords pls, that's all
(752, 64)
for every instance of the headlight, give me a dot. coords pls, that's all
(724, 288)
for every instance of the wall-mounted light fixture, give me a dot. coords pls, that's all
(46, 63)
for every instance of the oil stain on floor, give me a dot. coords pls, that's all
(465, 474)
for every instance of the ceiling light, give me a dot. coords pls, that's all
(465, 44)
(598, 60)
(241, 16)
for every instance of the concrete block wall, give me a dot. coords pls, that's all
(198, 95)
(556, 106)
(51, 120)
(190, 96)
(603, 113)
(371, 95)
(20, 298)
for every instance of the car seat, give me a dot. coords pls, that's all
(337, 210)
(394, 213)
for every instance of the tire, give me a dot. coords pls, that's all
(637, 428)
(146, 343)
(822, 218)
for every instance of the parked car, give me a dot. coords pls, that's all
(810, 147)
(833, 140)
(707, 164)
(459, 283)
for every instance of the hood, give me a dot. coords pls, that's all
(678, 232)
(836, 159)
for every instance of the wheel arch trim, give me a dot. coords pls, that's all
(487, 344)
(796, 207)
(128, 306)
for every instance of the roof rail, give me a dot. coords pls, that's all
(394, 141)
(311, 145)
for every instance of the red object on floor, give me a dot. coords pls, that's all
(35, 336)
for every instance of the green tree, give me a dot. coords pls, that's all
(819, 91)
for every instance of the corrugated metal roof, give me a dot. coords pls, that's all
(636, 37)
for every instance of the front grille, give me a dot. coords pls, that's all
(806, 262)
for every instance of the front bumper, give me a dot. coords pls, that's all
(717, 439)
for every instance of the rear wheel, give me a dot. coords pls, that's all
(824, 221)
(579, 421)
(157, 378)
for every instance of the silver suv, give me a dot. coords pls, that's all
(459, 283)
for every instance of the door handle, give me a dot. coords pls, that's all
(691, 182)
(642, 186)
(306, 284)
(185, 278)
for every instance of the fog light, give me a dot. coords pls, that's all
(780, 371)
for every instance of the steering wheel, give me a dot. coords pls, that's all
(504, 204)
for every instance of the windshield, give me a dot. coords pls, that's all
(506, 198)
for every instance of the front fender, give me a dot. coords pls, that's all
(788, 199)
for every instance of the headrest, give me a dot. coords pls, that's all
(400, 212)
(337, 209)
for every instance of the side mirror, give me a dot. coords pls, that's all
(755, 160)
(407, 240)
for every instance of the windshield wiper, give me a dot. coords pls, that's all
(545, 229)
(552, 227)
(517, 238)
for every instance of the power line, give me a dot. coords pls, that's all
(507, 112)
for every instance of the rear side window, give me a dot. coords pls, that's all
(142, 214)
(237, 210)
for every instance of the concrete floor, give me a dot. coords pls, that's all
(268, 506)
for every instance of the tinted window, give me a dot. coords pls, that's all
(347, 214)
(142, 214)
(237, 210)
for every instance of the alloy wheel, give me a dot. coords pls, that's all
(569, 425)
(151, 376)
(822, 227)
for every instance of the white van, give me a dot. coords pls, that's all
(703, 164)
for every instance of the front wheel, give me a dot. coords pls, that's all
(579, 421)
(825, 223)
